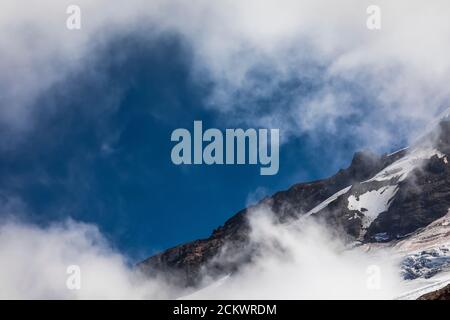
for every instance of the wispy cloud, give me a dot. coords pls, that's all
(294, 263)
(305, 261)
(303, 66)
(35, 261)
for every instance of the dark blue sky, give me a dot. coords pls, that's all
(100, 150)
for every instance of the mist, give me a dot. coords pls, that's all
(36, 264)
(306, 261)
(297, 261)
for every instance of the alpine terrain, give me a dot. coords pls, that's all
(399, 201)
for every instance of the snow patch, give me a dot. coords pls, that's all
(402, 167)
(372, 203)
(424, 286)
(395, 152)
(325, 203)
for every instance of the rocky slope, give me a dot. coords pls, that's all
(376, 200)
(441, 294)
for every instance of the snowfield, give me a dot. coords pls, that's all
(372, 203)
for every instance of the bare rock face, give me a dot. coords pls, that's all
(441, 294)
(424, 197)
(376, 199)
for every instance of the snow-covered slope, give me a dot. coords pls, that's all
(400, 169)
(371, 204)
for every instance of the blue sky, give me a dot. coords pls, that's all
(100, 152)
(86, 117)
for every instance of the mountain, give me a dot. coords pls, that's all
(441, 294)
(399, 200)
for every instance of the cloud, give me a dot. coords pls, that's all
(34, 263)
(306, 67)
(306, 261)
(295, 262)
(302, 66)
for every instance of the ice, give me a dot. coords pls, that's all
(426, 263)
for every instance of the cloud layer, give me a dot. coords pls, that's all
(303, 66)
(305, 261)
(295, 263)
(35, 261)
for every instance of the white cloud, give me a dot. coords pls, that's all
(34, 264)
(249, 49)
(306, 262)
(403, 67)
(296, 262)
